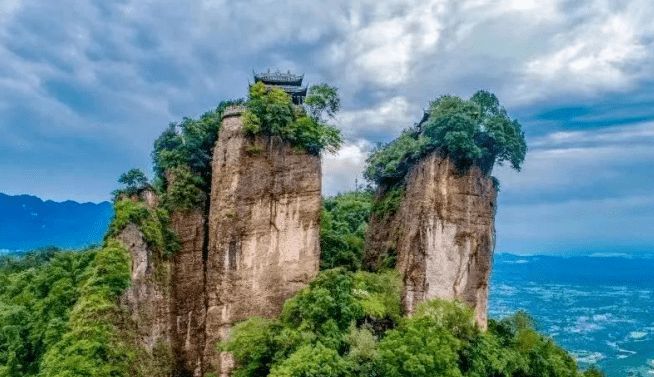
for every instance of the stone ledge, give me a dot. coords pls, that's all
(235, 110)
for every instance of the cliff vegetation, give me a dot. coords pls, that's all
(477, 131)
(270, 111)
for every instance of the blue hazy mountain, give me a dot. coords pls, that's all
(27, 222)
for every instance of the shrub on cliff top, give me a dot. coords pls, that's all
(477, 131)
(133, 181)
(270, 111)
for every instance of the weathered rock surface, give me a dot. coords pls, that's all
(263, 230)
(188, 304)
(443, 233)
(258, 246)
(148, 298)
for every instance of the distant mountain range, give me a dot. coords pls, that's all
(27, 222)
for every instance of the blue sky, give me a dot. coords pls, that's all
(86, 86)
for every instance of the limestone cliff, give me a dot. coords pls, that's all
(188, 304)
(263, 229)
(253, 245)
(442, 233)
(147, 300)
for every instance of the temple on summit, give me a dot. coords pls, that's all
(288, 82)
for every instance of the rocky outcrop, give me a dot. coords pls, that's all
(147, 299)
(263, 230)
(188, 304)
(253, 245)
(442, 233)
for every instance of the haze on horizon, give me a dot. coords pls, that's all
(86, 87)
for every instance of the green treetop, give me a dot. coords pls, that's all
(477, 131)
(271, 111)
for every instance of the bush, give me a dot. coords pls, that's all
(271, 112)
(154, 223)
(470, 132)
(184, 189)
(388, 202)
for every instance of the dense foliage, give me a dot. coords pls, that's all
(37, 293)
(343, 224)
(59, 311)
(182, 158)
(92, 344)
(270, 111)
(154, 223)
(477, 131)
(349, 324)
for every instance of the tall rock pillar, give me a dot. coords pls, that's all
(263, 230)
(443, 234)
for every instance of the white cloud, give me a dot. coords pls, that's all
(136, 65)
(629, 136)
(384, 119)
(383, 49)
(601, 53)
(343, 170)
(609, 162)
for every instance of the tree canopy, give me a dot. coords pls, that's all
(343, 223)
(182, 158)
(350, 324)
(270, 111)
(133, 181)
(477, 131)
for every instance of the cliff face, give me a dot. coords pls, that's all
(263, 230)
(148, 298)
(253, 246)
(443, 234)
(188, 304)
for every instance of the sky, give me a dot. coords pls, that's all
(86, 86)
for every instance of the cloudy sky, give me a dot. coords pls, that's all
(86, 86)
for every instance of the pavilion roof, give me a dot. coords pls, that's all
(279, 78)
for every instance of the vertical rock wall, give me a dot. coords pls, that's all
(263, 230)
(188, 294)
(148, 298)
(258, 245)
(443, 233)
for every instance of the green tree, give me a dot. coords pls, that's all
(470, 132)
(270, 111)
(312, 361)
(323, 100)
(343, 223)
(350, 324)
(134, 180)
(182, 157)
